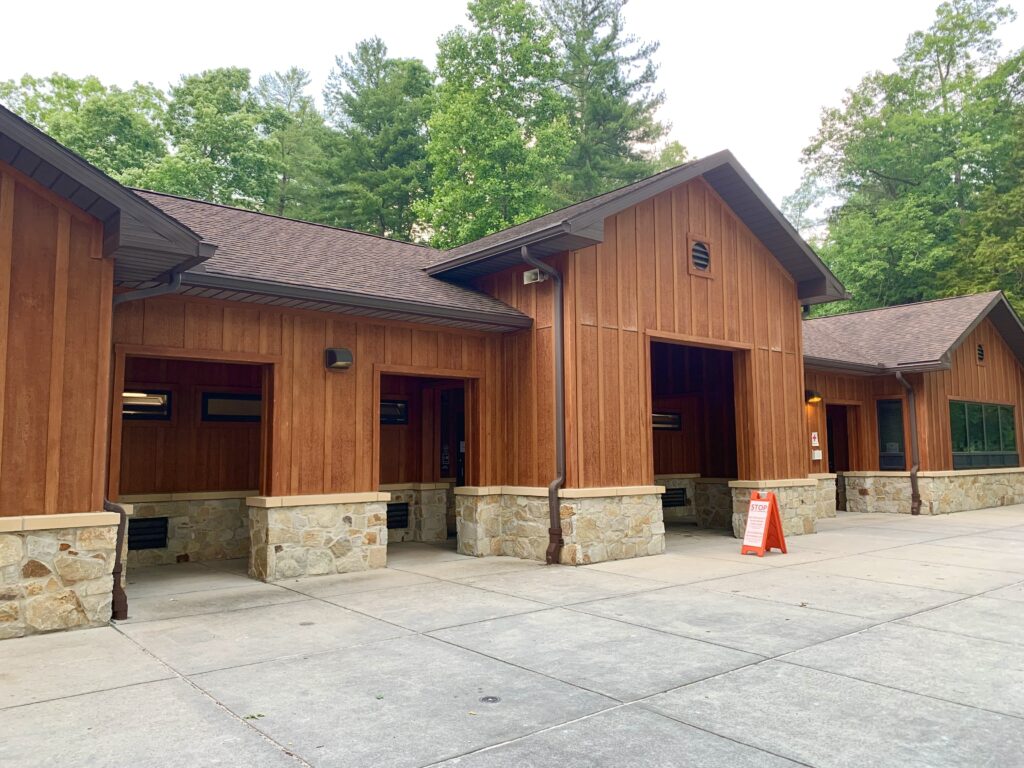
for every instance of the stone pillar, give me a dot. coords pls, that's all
(826, 496)
(56, 572)
(317, 535)
(478, 521)
(597, 523)
(798, 503)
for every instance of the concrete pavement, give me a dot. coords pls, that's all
(882, 641)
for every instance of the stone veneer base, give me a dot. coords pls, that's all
(941, 492)
(801, 502)
(428, 511)
(594, 528)
(197, 529)
(317, 539)
(53, 579)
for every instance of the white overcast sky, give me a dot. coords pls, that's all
(747, 76)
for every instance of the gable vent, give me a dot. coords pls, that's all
(701, 255)
(981, 353)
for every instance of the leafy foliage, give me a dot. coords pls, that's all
(376, 163)
(921, 164)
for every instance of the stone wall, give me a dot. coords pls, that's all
(713, 503)
(197, 529)
(52, 579)
(941, 492)
(687, 514)
(428, 508)
(801, 502)
(317, 538)
(594, 528)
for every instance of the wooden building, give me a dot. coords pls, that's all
(302, 395)
(931, 389)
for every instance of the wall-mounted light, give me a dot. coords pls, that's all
(338, 359)
(812, 396)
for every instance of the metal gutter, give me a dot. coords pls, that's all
(513, 320)
(505, 246)
(915, 454)
(555, 540)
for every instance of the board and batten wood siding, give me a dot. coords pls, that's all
(325, 424)
(860, 394)
(55, 314)
(185, 453)
(1000, 379)
(636, 287)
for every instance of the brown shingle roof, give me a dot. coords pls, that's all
(905, 336)
(260, 248)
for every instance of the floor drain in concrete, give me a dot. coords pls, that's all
(490, 699)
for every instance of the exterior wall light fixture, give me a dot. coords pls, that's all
(338, 359)
(812, 396)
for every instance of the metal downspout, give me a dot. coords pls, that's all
(915, 455)
(119, 601)
(555, 541)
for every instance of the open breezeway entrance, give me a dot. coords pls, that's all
(694, 432)
(191, 443)
(422, 455)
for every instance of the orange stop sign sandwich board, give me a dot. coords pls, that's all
(764, 526)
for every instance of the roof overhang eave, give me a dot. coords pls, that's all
(414, 310)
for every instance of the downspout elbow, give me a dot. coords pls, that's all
(555, 539)
(915, 455)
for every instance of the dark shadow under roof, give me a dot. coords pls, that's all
(908, 337)
(582, 225)
(273, 260)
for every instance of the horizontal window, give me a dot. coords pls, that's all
(664, 420)
(231, 406)
(146, 405)
(982, 435)
(394, 412)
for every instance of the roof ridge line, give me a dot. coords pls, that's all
(899, 306)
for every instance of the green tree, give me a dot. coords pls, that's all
(376, 162)
(118, 131)
(296, 137)
(499, 132)
(911, 159)
(221, 152)
(608, 78)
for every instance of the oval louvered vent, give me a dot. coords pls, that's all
(981, 353)
(701, 255)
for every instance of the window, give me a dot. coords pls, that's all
(982, 435)
(146, 405)
(672, 421)
(231, 406)
(394, 412)
(891, 452)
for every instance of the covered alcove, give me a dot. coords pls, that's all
(694, 432)
(190, 448)
(422, 455)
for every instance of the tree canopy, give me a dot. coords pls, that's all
(920, 169)
(529, 108)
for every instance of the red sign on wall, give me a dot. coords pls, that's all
(764, 525)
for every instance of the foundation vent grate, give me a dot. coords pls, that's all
(147, 533)
(674, 497)
(398, 514)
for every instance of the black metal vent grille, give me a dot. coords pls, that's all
(398, 514)
(147, 533)
(981, 353)
(701, 255)
(674, 497)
